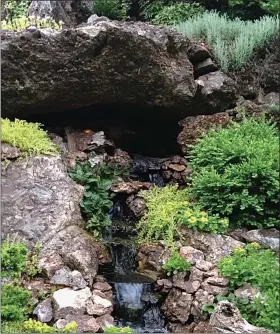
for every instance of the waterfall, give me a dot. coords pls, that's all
(129, 294)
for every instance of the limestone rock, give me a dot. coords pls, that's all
(204, 265)
(214, 289)
(152, 256)
(213, 246)
(201, 298)
(98, 299)
(41, 204)
(137, 205)
(177, 306)
(9, 152)
(96, 64)
(77, 281)
(69, 11)
(217, 90)
(269, 238)
(194, 127)
(105, 321)
(102, 286)
(198, 53)
(204, 67)
(164, 285)
(226, 318)
(130, 187)
(191, 254)
(69, 302)
(44, 311)
(85, 323)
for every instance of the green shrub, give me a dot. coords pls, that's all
(176, 264)
(15, 303)
(17, 260)
(21, 23)
(260, 268)
(17, 8)
(113, 9)
(233, 41)
(113, 329)
(33, 326)
(236, 173)
(28, 137)
(246, 6)
(97, 181)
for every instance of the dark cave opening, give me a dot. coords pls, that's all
(145, 131)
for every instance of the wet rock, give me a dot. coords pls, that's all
(191, 254)
(152, 256)
(198, 53)
(105, 321)
(247, 291)
(44, 311)
(60, 67)
(213, 246)
(201, 298)
(69, 11)
(131, 187)
(204, 265)
(204, 67)
(9, 152)
(272, 98)
(177, 306)
(194, 127)
(137, 205)
(85, 323)
(69, 302)
(217, 90)
(269, 238)
(226, 318)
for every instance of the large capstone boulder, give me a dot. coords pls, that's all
(40, 203)
(105, 62)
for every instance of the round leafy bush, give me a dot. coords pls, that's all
(236, 173)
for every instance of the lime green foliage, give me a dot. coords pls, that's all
(167, 209)
(33, 326)
(233, 41)
(200, 220)
(97, 201)
(260, 268)
(160, 13)
(113, 9)
(17, 8)
(236, 173)
(11, 327)
(21, 23)
(28, 137)
(176, 264)
(159, 222)
(17, 260)
(113, 329)
(15, 303)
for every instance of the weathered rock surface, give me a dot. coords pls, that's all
(194, 127)
(213, 246)
(130, 187)
(105, 321)
(226, 318)
(137, 205)
(269, 238)
(198, 53)
(205, 67)
(72, 279)
(152, 257)
(177, 306)
(40, 202)
(9, 152)
(85, 323)
(44, 311)
(69, 302)
(272, 98)
(95, 64)
(71, 12)
(217, 90)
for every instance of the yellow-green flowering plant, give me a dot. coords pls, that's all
(33, 326)
(198, 219)
(21, 23)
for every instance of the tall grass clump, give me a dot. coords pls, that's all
(233, 41)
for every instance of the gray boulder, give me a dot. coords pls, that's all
(44, 311)
(94, 64)
(40, 203)
(269, 238)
